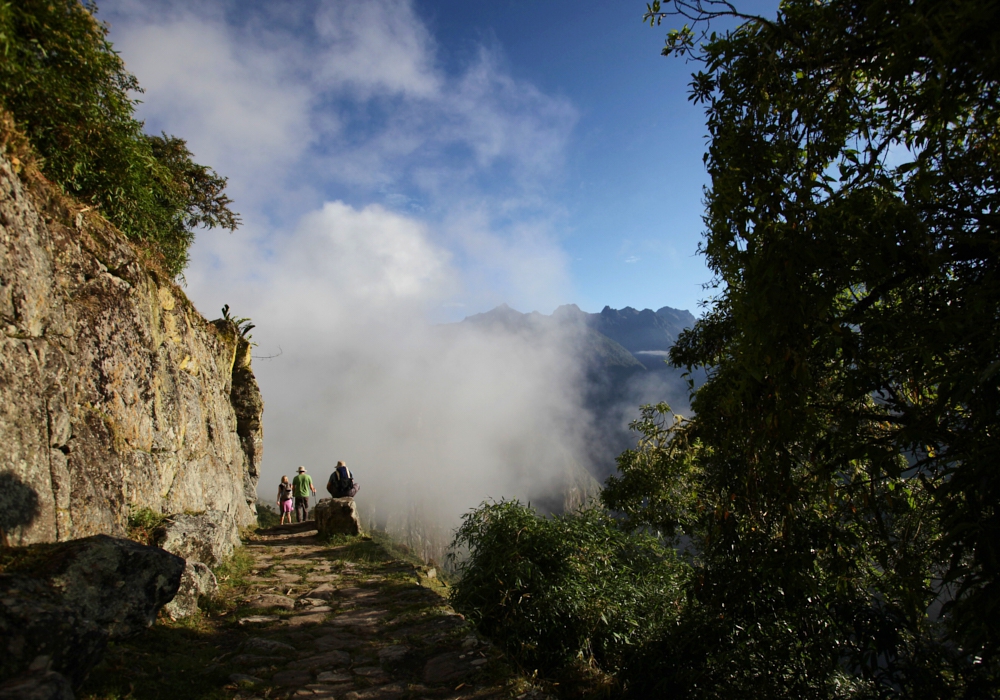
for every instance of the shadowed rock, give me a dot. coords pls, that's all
(337, 516)
(39, 683)
(449, 667)
(248, 405)
(329, 659)
(268, 646)
(270, 600)
(66, 601)
(18, 504)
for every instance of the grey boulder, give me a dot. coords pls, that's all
(208, 537)
(337, 516)
(65, 601)
(196, 581)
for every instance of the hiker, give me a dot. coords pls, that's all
(342, 483)
(301, 486)
(285, 499)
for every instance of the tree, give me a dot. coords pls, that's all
(843, 459)
(69, 92)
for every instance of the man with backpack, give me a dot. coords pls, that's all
(342, 483)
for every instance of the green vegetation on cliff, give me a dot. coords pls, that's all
(69, 92)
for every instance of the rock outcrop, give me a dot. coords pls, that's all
(115, 393)
(208, 537)
(196, 581)
(61, 603)
(203, 540)
(337, 516)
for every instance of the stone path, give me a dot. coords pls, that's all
(346, 622)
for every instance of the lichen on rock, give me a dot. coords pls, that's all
(196, 581)
(208, 537)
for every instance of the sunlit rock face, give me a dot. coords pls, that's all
(114, 391)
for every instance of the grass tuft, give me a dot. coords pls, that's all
(142, 523)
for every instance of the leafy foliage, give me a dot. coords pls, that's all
(657, 486)
(554, 590)
(839, 484)
(70, 93)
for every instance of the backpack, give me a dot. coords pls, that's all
(342, 483)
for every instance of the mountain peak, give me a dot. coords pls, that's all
(570, 312)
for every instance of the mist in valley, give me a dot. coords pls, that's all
(433, 418)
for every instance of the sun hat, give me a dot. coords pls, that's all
(301, 469)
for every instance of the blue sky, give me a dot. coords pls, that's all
(573, 152)
(632, 185)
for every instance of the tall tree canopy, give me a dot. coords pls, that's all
(69, 92)
(840, 483)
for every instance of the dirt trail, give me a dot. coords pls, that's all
(299, 618)
(348, 622)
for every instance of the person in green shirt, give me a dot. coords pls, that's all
(302, 484)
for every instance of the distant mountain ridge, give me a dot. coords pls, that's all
(644, 336)
(622, 354)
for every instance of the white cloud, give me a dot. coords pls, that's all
(234, 103)
(352, 95)
(503, 118)
(523, 266)
(338, 266)
(433, 421)
(372, 254)
(376, 46)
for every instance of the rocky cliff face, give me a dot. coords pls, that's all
(114, 391)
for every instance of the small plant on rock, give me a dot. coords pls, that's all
(142, 523)
(243, 325)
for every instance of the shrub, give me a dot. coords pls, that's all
(267, 516)
(552, 590)
(69, 93)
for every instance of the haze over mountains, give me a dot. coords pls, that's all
(645, 335)
(621, 354)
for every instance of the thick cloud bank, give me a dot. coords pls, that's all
(433, 419)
